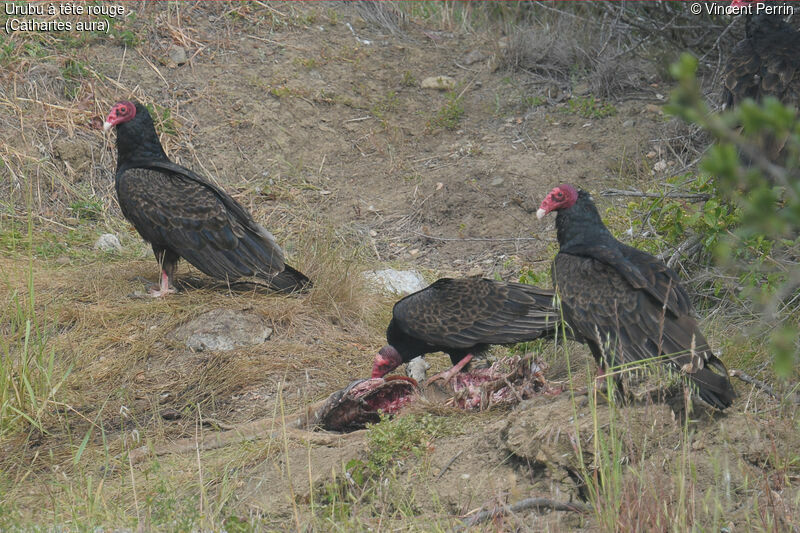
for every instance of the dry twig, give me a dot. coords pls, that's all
(698, 197)
(526, 504)
(753, 381)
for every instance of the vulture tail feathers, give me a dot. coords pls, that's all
(290, 280)
(714, 388)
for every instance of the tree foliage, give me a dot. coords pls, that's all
(755, 175)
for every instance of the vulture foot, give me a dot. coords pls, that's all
(164, 289)
(447, 375)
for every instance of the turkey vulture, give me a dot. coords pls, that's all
(182, 215)
(627, 305)
(462, 317)
(765, 63)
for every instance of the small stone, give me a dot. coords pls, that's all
(474, 56)
(398, 282)
(628, 123)
(170, 414)
(583, 146)
(581, 88)
(652, 108)
(373, 233)
(651, 154)
(222, 330)
(108, 242)
(415, 251)
(440, 83)
(497, 181)
(661, 166)
(177, 55)
(475, 272)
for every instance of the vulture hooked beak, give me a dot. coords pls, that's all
(387, 360)
(540, 213)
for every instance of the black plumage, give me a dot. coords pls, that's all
(765, 63)
(183, 215)
(464, 317)
(626, 304)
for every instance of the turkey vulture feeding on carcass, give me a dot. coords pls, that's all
(627, 305)
(462, 317)
(182, 215)
(766, 62)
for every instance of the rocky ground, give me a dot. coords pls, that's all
(325, 124)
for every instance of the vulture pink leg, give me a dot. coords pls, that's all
(447, 375)
(165, 288)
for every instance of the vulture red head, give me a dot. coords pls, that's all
(121, 112)
(387, 360)
(560, 197)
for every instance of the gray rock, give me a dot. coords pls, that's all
(108, 242)
(497, 181)
(222, 330)
(177, 54)
(398, 282)
(474, 56)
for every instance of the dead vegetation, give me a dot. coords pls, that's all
(284, 115)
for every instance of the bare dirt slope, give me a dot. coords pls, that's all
(316, 120)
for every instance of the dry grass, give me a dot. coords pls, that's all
(120, 381)
(555, 48)
(122, 370)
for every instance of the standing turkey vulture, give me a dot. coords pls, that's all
(765, 63)
(182, 215)
(462, 317)
(624, 303)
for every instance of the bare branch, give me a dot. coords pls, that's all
(526, 504)
(698, 197)
(753, 381)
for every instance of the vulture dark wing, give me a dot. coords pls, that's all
(765, 63)
(175, 208)
(781, 73)
(642, 271)
(741, 75)
(461, 313)
(632, 325)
